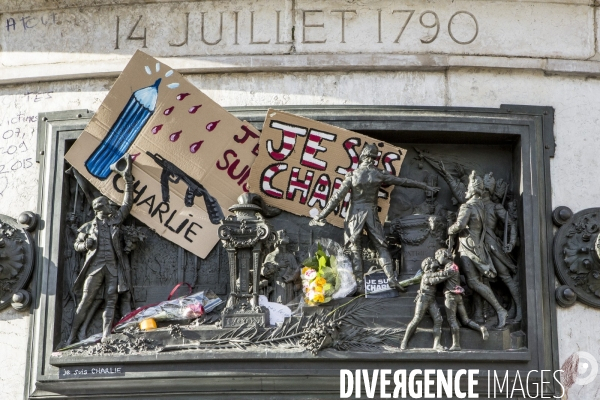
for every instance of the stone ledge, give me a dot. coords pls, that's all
(300, 63)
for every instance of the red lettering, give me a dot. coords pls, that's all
(248, 133)
(312, 147)
(288, 141)
(301, 185)
(349, 145)
(266, 180)
(231, 165)
(388, 159)
(225, 156)
(243, 179)
(321, 192)
(231, 170)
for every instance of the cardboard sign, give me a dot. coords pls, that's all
(302, 162)
(192, 158)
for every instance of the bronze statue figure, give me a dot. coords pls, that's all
(106, 267)
(499, 251)
(426, 302)
(474, 256)
(453, 302)
(282, 270)
(363, 184)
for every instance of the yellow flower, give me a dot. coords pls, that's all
(319, 298)
(319, 289)
(320, 281)
(305, 269)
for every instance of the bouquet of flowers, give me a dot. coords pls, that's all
(327, 274)
(183, 308)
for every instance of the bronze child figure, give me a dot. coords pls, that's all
(454, 304)
(363, 184)
(105, 267)
(426, 302)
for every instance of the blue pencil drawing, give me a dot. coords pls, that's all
(124, 131)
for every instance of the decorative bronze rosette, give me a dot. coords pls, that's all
(577, 256)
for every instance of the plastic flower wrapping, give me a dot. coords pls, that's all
(182, 308)
(327, 273)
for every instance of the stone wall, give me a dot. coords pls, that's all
(65, 54)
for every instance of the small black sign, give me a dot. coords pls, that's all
(90, 372)
(376, 286)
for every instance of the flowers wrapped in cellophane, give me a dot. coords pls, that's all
(327, 273)
(183, 308)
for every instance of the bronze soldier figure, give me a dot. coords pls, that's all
(105, 267)
(495, 212)
(426, 302)
(453, 302)
(363, 185)
(475, 259)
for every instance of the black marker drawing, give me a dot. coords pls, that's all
(170, 172)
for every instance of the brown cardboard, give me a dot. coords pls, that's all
(221, 162)
(272, 174)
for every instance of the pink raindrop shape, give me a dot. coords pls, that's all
(156, 129)
(175, 136)
(168, 110)
(134, 156)
(182, 96)
(194, 147)
(193, 109)
(212, 125)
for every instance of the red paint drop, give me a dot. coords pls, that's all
(168, 110)
(212, 125)
(194, 109)
(175, 136)
(194, 147)
(156, 129)
(134, 156)
(182, 96)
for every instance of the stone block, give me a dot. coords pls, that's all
(245, 28)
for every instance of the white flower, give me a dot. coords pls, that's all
(309, 275)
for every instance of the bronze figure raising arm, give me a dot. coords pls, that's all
(405, 182)
(335, 199)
